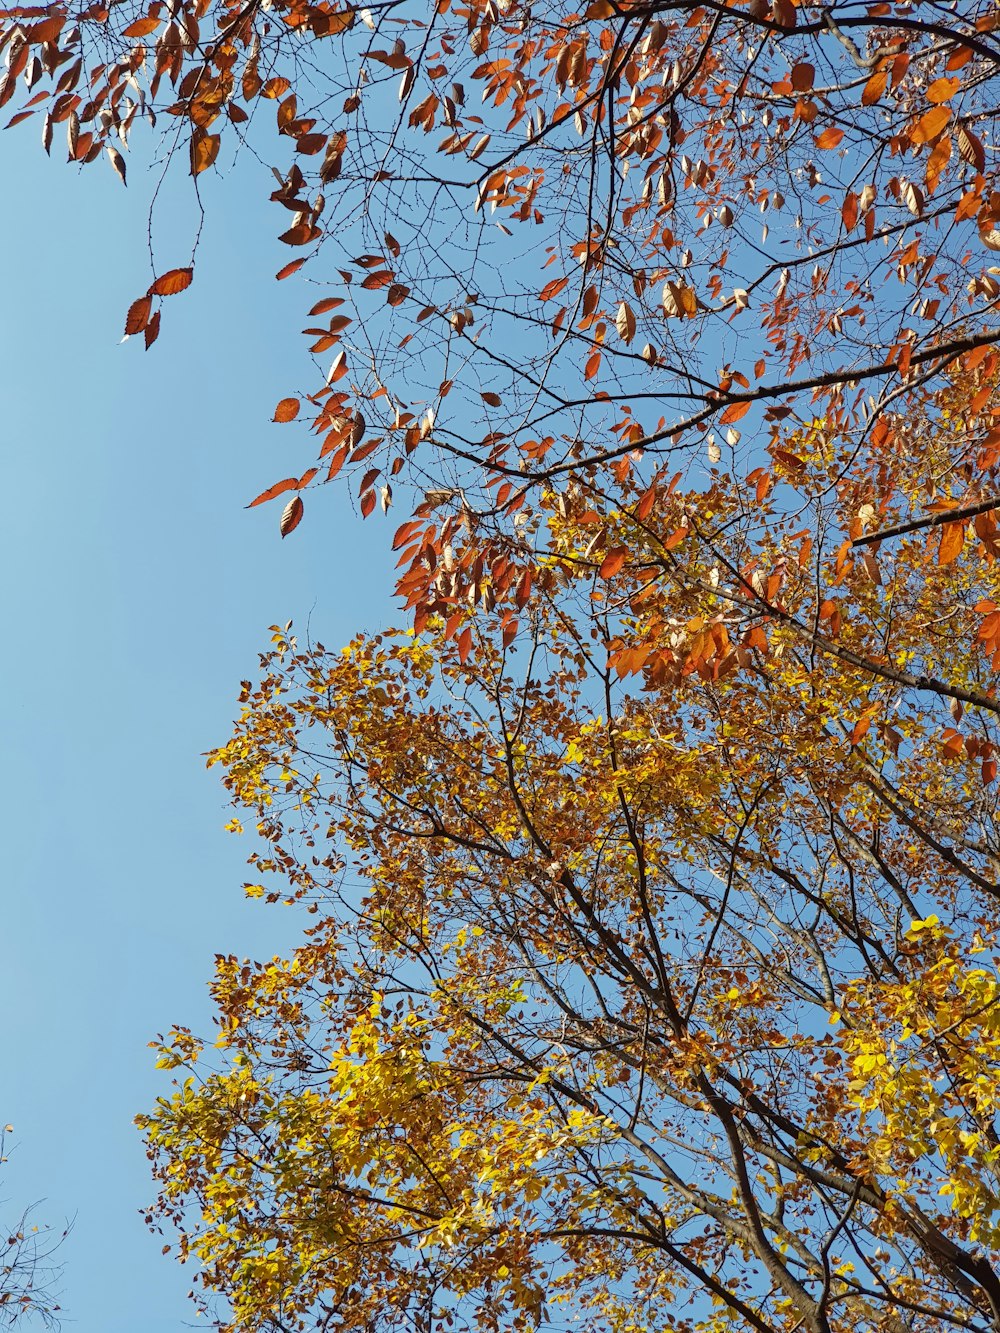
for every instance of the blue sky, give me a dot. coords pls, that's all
(138, 592)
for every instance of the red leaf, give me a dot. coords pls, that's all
(367, 503)
(464, 644)
(291, 515)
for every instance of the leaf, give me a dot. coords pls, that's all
(117, 161)
(287, 410)
(734, 412)
(204, 151)
(138, 315)
(874, 88)
(943, 90)
(279, 488)
(141, 27)
(952, 541)
(291, 515)
(970, 148)
(291, 267)
(152, 330)
(613, 561)
(173, 281)
(930, 124)
(830, 137)
(625, 322)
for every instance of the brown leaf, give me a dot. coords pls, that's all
(287, 410)
(204, 151)
(625, 322)
(117, 161)
(291, 267)
(138, 315)
(152, 331)
(291, 515)
(173, 281)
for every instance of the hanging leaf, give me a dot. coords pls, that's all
(625, 322)
(204, 151)
(174, 281)
(291, 515)
(141, 27)
(138, 315)
(930, 124)
(117, 161)
(287, 410)
(952, 541)
(830, 137)
(152, 330)
(279, 488)
(613, 561)
(874, 88)
(734, 412)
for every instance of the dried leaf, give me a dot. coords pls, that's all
(173, 281)
(287, 410)
(291, 515)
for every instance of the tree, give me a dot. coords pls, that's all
(653, 969)
(28, 1271)
(675, 1009)
(661, 220)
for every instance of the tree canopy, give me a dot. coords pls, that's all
(651, 974)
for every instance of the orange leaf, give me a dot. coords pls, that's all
(952, 541)
(830, 137)
(141, 28)
(613, 561)
(734, 412)
(279, 487)
(287, 410)
(152, 331)
(169, 284)
(930, 124)
(874, 88)
(204, 151)
(292, 267)
(138, 315)
(943, 90)
(291, 515)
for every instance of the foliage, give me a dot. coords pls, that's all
(672, 1008)
(28, 1272)
(651, 980)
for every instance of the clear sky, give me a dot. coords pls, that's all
(137, 594)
